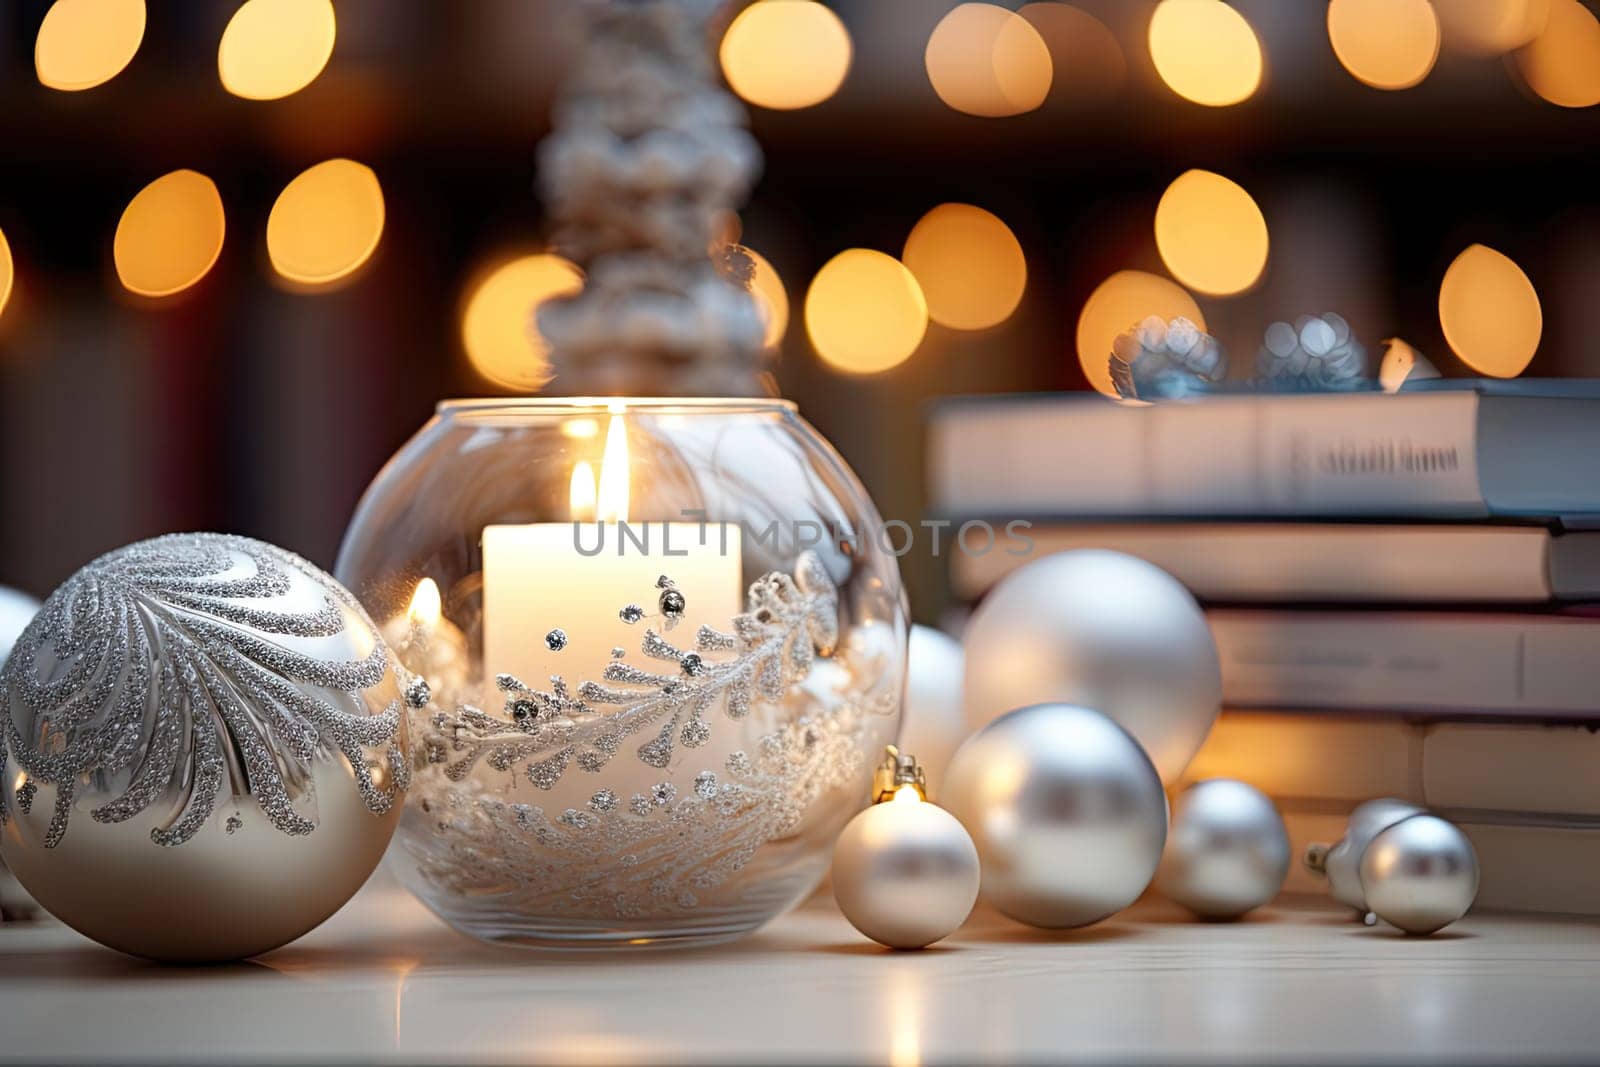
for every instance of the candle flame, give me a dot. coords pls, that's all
(582, 494)
(426, 604)
(611, 501)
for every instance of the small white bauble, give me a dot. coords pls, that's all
(905, 872)
(1227, 850)
(1067, 812)
(1341, 864)
(17, 609)
(932, 725)
(1102, 630)
(206, 749)
(1420, 874)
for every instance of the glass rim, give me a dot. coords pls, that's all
(603, 405)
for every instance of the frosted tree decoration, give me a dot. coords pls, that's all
(647, 157)
(1315, 354)
(1161, 360)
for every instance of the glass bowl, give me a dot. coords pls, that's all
(663, 645)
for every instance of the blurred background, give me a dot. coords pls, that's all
(247, 248)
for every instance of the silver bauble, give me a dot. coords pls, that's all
(1420, 874)
(933, 725)
(1227, 850)
(905, 872)
(205, 749)
(1102, 630)
(1066, 810)
(1341, 864)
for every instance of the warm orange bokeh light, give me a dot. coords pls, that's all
(325, 223)
(7, 272)
(1088, 63)
(1205, 51)
(984, 60)
(1490, 27)
(1490, 312)
(1211, 234)
(1562, 64)
(498, 325)
(772, 300)
(865, 312)
(1387, 44)
(785, 54)
(170, 234)
(1118, 303)
(969, 265)
(84, 43)
(272, 48)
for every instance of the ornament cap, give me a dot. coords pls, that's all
(898, 769)
(1316, 858)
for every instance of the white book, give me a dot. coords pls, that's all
(1439, 563)
(1477, 449)
(1453, 663)
(1513, 768)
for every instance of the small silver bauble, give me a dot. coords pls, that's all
(1227, 850)
(1103, 630)
(205, 749)
(905, 871)
(933, 724)
(1341, 863)
(1067, 812)
(1420, 874)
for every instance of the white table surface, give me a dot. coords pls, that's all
(385, 981)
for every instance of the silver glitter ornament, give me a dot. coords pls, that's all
(1341, 863)
(1227, 850)
(204, 749)
(1103, 630)
(905, 871)
(1067, 812)
(1161, 360)
(1420, 874)
(16, 611)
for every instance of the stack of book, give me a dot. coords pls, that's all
(1404, 590)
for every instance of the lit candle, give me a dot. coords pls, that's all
(429, 645)
(554, 605)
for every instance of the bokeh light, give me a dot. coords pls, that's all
(84, 43)
(1087, 60)
(865, 312)
(1490, 312)
(969, 265)
(1490, 27)
(325, 223)
(772, 300)
(170, 234)
(1387, 44)
(272, 48)
(1205, 51)
(499, 329)
(7, 272)
(1118, 303)
(984, 60)
(1562, 64)
(1211, 234)
(785, 54)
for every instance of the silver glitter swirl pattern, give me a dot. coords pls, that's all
(168, 665)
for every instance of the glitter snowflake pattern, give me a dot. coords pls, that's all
(170, 665)
(666, 848)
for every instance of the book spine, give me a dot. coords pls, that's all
(1291, 455)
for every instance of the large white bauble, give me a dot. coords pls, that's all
(1102, 630)
(933, 724)
(205, 749)
(1066, 810)
(1227, 850)
(905, 872)
(17, 609)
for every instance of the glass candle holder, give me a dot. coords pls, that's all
(662, 645)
